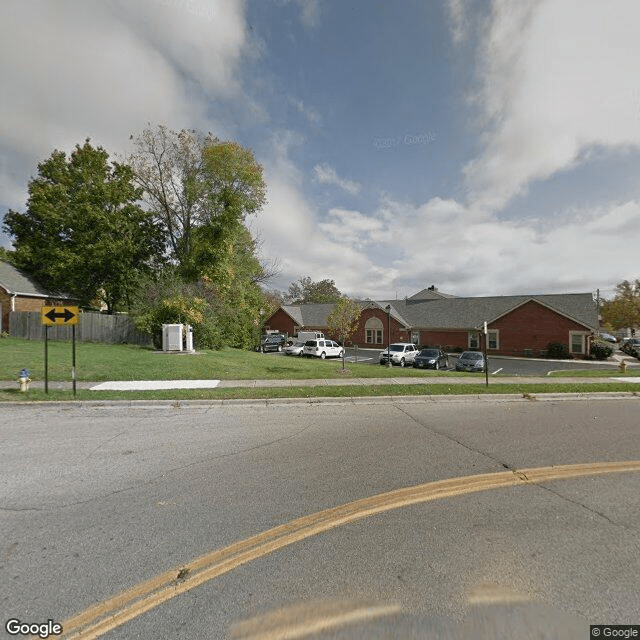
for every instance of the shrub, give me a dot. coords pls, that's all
(600, 350)
(558, 351)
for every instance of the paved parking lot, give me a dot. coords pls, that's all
(501, 365)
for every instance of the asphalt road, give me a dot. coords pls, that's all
(94, 501)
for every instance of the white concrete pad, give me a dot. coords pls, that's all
(627, 379)
(152, 385)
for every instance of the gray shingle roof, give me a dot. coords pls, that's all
(430, 294)
(456, 313)
(467, 313)
(309, 315)
(15, 282)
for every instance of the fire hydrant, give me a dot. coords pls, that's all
(24, 380)
(623, 366)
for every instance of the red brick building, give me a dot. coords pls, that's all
(18, 293)
(516, 325)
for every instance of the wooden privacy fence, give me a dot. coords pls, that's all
(94, 327)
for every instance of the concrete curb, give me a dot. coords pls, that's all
(356, 400)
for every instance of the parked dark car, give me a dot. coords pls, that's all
(632, 347)
(272, 342)
(470, 361)
(431, 359)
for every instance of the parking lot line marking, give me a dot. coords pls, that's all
(115, 611)
(497, 371)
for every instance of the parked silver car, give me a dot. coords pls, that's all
(470, 361)
(294, 349)
(401, 353)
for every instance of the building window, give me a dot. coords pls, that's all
(576, 341)
(493, 340)
(474, 341)
(373, 331)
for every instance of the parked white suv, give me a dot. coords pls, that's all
(322, 349)
(400, 353)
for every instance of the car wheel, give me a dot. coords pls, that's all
(261, 349)
(437, 366)
(402, 362)
(279, 348)
(323, 355)
(341, 354)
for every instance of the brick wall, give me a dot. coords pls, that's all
(398, 333)
(21, 304)
(532, 327)
(280, 321)
(449, 340)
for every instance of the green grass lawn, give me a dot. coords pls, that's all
(101, 362)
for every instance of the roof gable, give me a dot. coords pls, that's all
(578, 307)
(17, 283)
(456, 313)
(471, 313)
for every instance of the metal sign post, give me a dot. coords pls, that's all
(64, 316)
(486, 361)
(73, 359)
(46, 358)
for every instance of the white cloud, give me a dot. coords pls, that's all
(352, 228)
(289, 232)
(105, 69)
(311, 114)
(458, 20)
(559, 76)
(324, 174)
(466, 253)
(311, 11)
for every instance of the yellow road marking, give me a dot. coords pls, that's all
(147, 595)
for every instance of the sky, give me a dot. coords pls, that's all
(487, 148)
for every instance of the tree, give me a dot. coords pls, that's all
(199, 189)
(343, 321)
(624, 310)
(83, 233)
(6, 255)
(305, 291)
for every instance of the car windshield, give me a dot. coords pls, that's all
(396, 347)
(471, 356)
(429, 353)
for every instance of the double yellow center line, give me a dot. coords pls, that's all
(115, 611)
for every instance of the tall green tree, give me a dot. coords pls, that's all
(199, 189)
(83, 233)
(306, 291)
(343, 321)
(624, 309)
(6, 255)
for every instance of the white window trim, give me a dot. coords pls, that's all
(375, 333)
(497, 332)
(583, 335)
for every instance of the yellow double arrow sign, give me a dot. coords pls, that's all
(59, 315)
